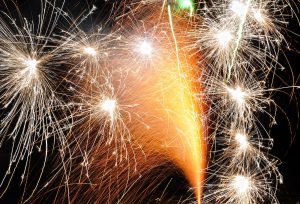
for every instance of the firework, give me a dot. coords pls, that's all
(145, 92)
(29, 79)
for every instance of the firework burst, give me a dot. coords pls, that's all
(165, 82)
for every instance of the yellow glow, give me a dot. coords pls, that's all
(178, 132)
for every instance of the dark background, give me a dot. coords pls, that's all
(286, 134)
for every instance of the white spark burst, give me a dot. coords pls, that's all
(241, 184)
(224, 38)
(28, 98)
(238, 7)
(239, 41)
(109, 106)
(242, 141)
(90, 51)
(237, 94)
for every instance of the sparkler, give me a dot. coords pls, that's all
(121, 102)
(28, 97)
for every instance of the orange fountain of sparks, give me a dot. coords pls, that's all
(165, 84)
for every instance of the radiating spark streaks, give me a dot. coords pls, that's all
(240, 42)
(113, 99)
(28, 98)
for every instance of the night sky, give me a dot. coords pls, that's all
(285, 133)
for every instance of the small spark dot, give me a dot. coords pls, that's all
(258, 15)
(241, 184)
(109, 106)
(224, 37)
(90, 51)
(145, 48)
(238, 7)
(30, 70)
(237, 94)
(241, 140)
(185, 3)
(31, 64)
